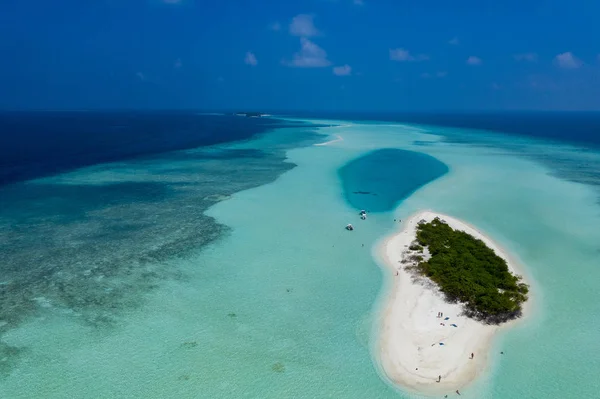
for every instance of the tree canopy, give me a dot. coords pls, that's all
(468, 271)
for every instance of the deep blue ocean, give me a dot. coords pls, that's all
(35, 144)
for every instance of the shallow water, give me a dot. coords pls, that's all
(284, 303)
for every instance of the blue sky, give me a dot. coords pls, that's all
(348, 55)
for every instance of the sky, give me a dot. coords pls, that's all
(310, 55)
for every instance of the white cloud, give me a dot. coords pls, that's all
(567, 60)
(276, 26)
(309, 56)
(344, 70)
(250, 59)
(140, 76)
(454, 41)
(496, 86)
(303, 25)
(177, 64)
(359, 2)
(402, 55)
(472, 60)
(172, 1)
(529, 57)
(439, 75)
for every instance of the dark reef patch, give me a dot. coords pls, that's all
(91, 244)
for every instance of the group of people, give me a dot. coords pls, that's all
(472, 357)
(440, 315)
(439, 376)
(439, 379)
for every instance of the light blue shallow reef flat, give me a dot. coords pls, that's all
(286, 304)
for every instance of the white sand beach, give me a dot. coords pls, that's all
(410, 353)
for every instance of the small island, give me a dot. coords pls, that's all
(468, 271)
(452, 289)
(250, 114)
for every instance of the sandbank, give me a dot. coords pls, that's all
(339, 138)
(409, 350)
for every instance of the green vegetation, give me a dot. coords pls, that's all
(467, 271)
(416, 247)
(278, 367)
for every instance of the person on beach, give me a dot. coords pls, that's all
(439, 378)
(472, 355)
(457, 392)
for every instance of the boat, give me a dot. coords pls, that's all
(349, 227)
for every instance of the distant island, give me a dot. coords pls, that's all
(468, 271)
(251, 114)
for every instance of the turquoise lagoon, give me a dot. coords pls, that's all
(285, 304)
